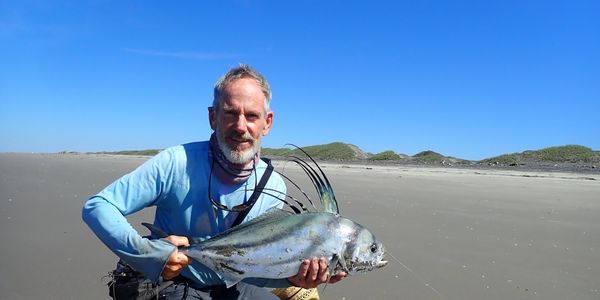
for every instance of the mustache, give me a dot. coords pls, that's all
(246, 137)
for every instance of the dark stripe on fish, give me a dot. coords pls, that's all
(224, 266)
(276, 235)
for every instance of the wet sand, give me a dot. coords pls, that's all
(460, 234)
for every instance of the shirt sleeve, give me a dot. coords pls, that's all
(105, 214)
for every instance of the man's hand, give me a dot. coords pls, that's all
(177, 261)
(314, 272)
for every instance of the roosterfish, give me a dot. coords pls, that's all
(274, 244)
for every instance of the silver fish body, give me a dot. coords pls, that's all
(275, 244)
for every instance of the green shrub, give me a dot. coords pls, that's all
(332, 151)
(568, 153)
(505, 159)
(385, 155)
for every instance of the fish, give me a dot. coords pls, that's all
(274, 244)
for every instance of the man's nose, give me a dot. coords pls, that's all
(241, 124)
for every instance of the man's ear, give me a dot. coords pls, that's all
(269, 123)
(212, 117)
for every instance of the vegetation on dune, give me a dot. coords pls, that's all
(429, 157)
(148, 152)
(568, 153)
(332, 151)
(559, 154)
(385, 155)
(338, 151)
(278, 152)
(504, 159)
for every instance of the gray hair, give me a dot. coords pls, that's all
(242, 71)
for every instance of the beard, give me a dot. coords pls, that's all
(236, 156)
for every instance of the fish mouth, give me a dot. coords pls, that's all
(381, 264)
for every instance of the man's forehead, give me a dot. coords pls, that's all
(239, 106)
(227, 106)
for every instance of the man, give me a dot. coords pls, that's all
(194, 188)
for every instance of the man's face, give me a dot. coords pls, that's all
(241, 120)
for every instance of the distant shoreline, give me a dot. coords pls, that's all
(531, 167)
(568, 158)
(464, 170)
(539, 170)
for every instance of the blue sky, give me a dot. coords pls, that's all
(471, 79)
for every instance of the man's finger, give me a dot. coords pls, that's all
(337, 277)
(322, 275)
(184, 260)
(314, 269)
(180, 259)
(168, 274)
(178, 240)
(175, 263)
(299, 279)
(303, 270)
(172, 268)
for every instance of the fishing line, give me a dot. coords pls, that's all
(418, 277)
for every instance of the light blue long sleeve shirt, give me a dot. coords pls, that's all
(176, 182)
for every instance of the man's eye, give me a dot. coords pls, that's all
(230, 115)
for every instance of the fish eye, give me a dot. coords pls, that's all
(374, 248)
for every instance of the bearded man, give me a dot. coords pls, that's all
(199, 190)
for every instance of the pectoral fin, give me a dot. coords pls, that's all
(342, 263)
(332, 265)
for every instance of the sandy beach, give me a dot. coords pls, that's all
(456, 233)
